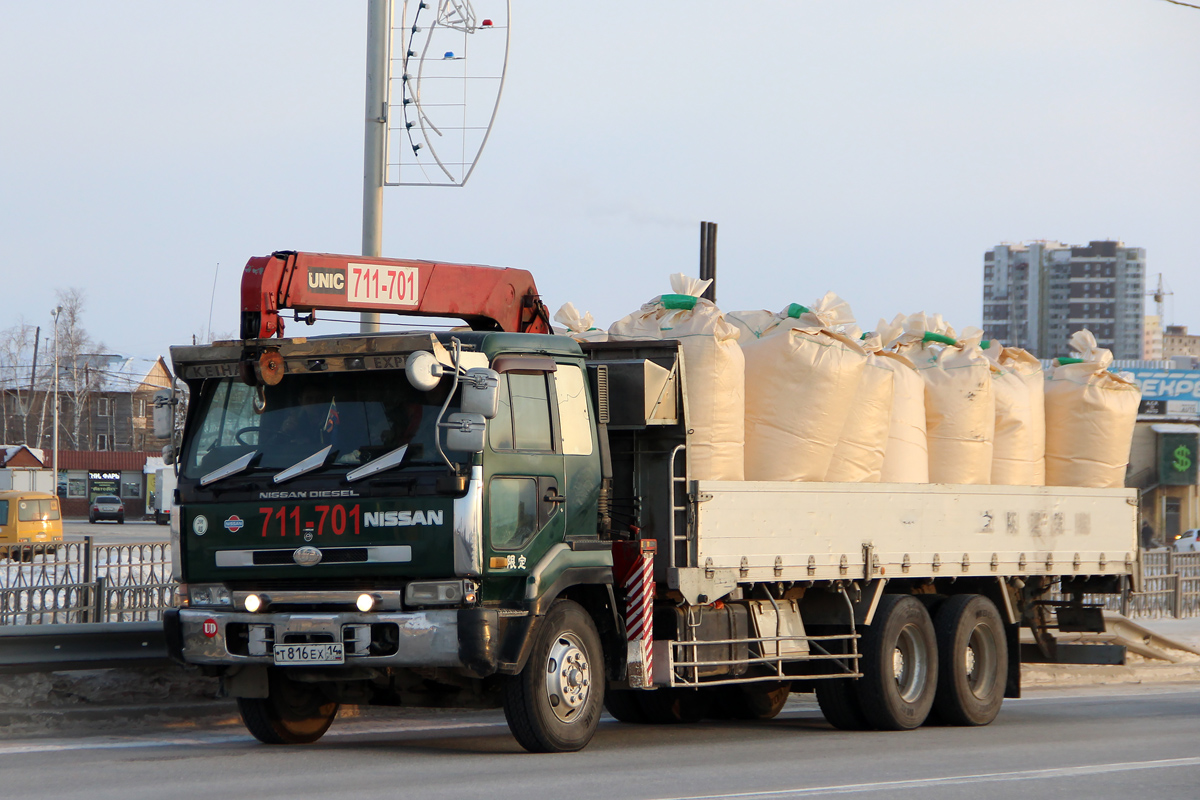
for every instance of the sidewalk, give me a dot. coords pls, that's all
(1135, 671)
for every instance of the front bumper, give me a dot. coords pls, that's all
(440, 638)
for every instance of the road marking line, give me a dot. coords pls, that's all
(956, 780)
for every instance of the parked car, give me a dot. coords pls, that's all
(1188, 541)
(30, 522)
(107, 506)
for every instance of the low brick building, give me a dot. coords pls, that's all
(83, 474)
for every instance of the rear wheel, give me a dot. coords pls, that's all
(91, 519)
(899, 665)
(972, 660)
(624, 706)
(670, 706)
(754, 700)
(294, 713)
(838, 700)
(121, 520)
(553, 705)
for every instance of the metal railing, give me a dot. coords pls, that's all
(76, 582)
(1170, 584)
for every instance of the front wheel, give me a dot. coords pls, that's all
(293, 713)
(553, 705)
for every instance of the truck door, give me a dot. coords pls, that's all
(523, 480)
(581, 454)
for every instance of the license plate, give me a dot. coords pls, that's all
(288, 654)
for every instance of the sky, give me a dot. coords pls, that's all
(875, 148)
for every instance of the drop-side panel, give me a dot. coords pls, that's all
(817, 531)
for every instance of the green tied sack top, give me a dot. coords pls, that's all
(679, 302)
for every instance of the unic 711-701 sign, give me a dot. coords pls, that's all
(393, 286)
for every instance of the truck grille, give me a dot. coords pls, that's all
(333, 555)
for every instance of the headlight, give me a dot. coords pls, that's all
(252, 603)
(365, 603)
(439, 593)
(208, 595)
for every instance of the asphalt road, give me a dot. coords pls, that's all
(111, 533)
(1123, 743)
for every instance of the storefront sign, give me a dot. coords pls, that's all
(1177, 456)
(103, 483)
(1169, 392)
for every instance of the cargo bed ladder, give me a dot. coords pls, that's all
(680, 512)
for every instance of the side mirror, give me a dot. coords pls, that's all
(480, 392)
(168, 454)
(465, 432)
(423, 371)
(164, 414)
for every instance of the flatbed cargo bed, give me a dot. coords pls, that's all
(755, 531)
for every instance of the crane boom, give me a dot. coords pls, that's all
(487, 298)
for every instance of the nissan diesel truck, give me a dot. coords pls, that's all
(496, 516)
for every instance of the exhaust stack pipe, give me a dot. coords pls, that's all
(708, 258)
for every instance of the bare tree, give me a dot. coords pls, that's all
(17, 346)
(81, 371)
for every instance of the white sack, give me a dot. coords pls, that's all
(906, 457)
(1090, 416)
(960, 408)
(580, 327)
(752, 324)
(1019, 454)
(714, 373)
(861, 448)
(1012, 450)
(800, 385)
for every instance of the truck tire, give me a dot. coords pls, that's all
(553, 705)
(838, 700)
(669, 706)
(899, 665)
(624, 706)
(294, 713)
(972, 660)
(753, 701)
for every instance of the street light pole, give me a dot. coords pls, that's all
(378, 33)
(56, 313)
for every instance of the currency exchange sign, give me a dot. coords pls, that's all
(1177, 456)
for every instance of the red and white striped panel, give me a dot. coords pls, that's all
(634, 564)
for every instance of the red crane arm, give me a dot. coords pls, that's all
(487, 298)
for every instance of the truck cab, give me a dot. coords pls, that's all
(324, 526)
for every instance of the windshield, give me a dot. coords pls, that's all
(359, 416)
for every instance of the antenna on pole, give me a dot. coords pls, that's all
(212, 299)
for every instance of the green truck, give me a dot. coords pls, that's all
(501, 517)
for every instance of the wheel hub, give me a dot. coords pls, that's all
(909, 659)
(568, 677)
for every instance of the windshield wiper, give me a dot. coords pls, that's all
(315, 461)
(232, 468)
(377, 465)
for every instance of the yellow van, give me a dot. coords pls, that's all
(29, 518)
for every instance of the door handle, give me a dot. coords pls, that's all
(552, 496)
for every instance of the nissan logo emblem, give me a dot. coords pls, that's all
(307, 556)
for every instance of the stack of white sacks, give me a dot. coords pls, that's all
(805, 395)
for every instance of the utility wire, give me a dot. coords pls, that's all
(1181, 3)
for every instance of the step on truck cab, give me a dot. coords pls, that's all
(499, 517)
